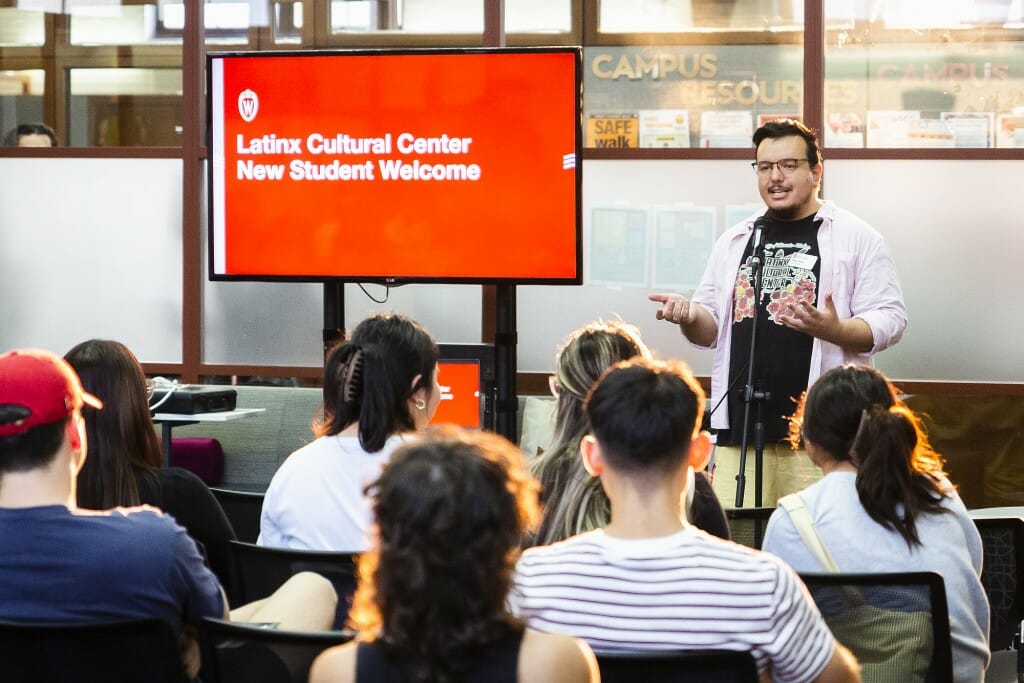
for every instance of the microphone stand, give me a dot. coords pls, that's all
(751, 394)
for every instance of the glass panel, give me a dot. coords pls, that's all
(688, 96)
(288, 22)
(115, 275)
(126, 107)
(226, 22)
(928, 14)
(21, 99)
(902, 201)
(235, 328)
(115, 25)
(538, 16)
(19, 28)
(932, 87)
(408, 16)
(674, 16)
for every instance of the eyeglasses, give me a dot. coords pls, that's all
(785, 166)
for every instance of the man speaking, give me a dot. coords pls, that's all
(829, 295)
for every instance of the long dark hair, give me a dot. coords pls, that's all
(854, 414)
(121, 438)
(368, 379)
(574, 500)
(451, 509)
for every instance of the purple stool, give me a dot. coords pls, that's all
(201, 455)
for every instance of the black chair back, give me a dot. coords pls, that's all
(130, 651)
(747, 525)
(243, 509)
(1003, 563)
(678, 666)
(261, 571)
(244, 653)
(896, 625)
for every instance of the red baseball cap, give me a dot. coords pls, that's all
(36, 388)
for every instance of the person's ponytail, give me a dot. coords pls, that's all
(342, 390)
(383, 410)
(370, 378)
(891, 488)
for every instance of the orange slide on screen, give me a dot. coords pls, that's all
(418, 165)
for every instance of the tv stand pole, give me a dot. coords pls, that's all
(506, 405)
(334, 315)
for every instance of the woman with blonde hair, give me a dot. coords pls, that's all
(574, 501)
(451, 509)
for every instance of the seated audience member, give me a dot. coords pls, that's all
(31, 135)
(379, 385)
(884, 503)
(124, 464)
(61, 563)
(450, 510)
(649, 580)
(574, 501)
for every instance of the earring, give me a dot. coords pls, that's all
(419, 403)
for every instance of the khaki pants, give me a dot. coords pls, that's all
(785, 471)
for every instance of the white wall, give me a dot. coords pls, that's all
(92, 248)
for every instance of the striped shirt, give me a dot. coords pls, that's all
(684, 591)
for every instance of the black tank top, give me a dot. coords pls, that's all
(496, 662)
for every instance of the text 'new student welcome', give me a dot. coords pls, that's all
(386, 147)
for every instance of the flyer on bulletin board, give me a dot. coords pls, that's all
(613, 131)
(890, 128)
(617, 246)
(664, 128)
(726, 128)
(973, 129)
(1010, 131)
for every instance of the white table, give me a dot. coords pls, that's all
(169, 421)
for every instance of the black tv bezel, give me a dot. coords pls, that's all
(483, 354)
(393, 280)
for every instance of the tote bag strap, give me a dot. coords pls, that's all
(801, 516)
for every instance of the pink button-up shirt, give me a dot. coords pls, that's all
(855, 267)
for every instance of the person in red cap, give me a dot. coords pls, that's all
(59, 563)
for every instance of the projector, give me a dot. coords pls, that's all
(189, 399)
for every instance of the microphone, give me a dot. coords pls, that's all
(760, 227)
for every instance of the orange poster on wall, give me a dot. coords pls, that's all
(405, 166)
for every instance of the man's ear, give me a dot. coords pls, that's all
(593, 459)
(700, 451)
(72, 434)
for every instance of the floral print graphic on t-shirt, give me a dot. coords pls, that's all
(785, 283)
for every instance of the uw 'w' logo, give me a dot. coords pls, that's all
(248, 105)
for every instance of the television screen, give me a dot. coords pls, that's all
(395, 166)
(466, 377)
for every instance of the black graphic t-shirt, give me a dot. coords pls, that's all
(792, 266)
